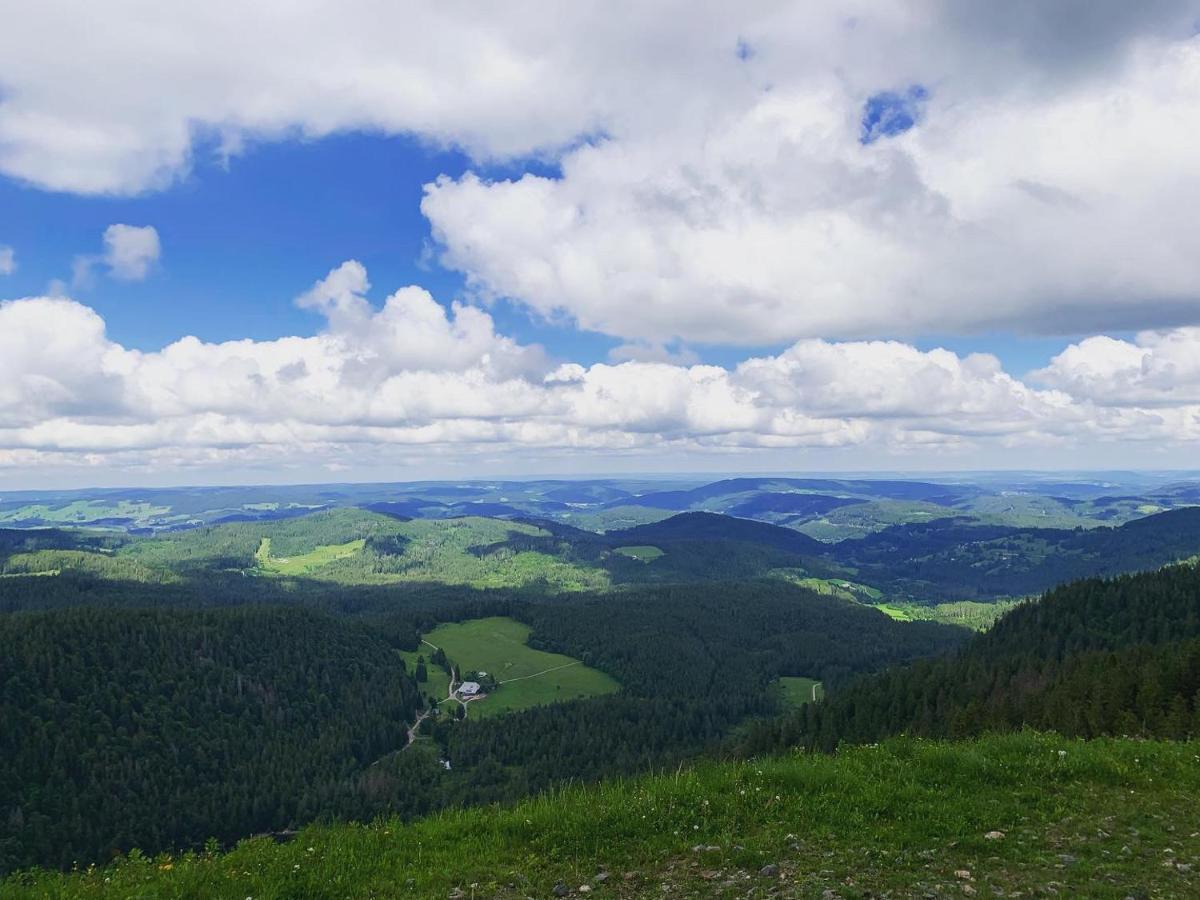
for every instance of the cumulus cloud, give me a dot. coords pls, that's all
(775, 221)
(8, 260)
(129, 253)
(1038, 173)
(130, 250)
(1157, 369)
(381, 381)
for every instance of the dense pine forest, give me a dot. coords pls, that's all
(160, 729)
(1095, 657)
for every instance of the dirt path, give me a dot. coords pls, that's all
(543, 672)
(412, 729)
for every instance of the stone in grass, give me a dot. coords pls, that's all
(561, 890)
(994, 836)
(770, 870)
(600, 878)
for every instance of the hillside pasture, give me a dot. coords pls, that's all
(797, 691)
(526, 677)
(305, 563)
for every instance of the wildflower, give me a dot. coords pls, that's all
(1062, 753)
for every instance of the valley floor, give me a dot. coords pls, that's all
(1022, 815)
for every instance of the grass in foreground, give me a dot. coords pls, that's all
(1015, 815)
(527, 677)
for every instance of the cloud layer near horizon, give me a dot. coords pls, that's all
(412, 374)
(714, 186)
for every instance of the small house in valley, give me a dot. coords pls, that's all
(468, 688)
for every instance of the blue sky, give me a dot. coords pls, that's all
(718, 239)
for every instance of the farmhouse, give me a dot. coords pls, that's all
(468, 688)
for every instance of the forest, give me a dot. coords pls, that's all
(1096, 657)
(240, 678)
(158, 728)
(163, 728)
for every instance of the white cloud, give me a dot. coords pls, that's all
(130, 250)
(706, 195)
(769, 221)
(1157, 369)
(129, 253)
(380, 382)
(8, 260)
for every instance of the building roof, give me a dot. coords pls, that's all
(469, 687)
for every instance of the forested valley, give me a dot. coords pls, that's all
(1094, 657)
(242, 678)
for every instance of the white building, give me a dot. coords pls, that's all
(468, 688)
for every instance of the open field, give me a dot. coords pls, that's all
(307, 562)
(644, 553)
(908, 818)
(527, 677)
(797, 691)
(899, 613)
(971, 614)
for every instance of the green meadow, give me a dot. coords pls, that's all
(644, 553)
(305, 563)
(798, 691)
(526, 677)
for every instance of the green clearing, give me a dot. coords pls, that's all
(899, 613)
(526, 677)
(850, 591)
(797, 691)
(906, 818)
(972, 614)
(642, 553)
(304, 563)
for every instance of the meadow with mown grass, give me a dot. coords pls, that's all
(524, 677)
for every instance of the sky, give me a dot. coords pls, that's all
(361, 241)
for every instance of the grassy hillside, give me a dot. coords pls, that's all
(1024, 814)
